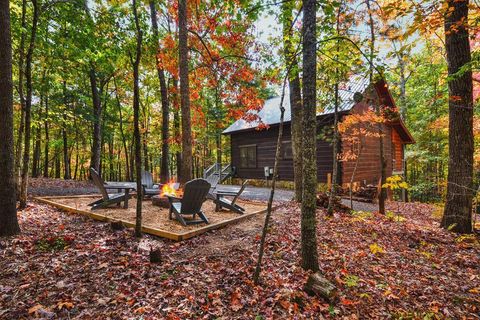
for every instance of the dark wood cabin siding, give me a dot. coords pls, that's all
(266, 141)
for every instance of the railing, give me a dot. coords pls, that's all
(218, 169)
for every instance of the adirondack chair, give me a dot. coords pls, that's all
(213, 180)
(190, 204)
(222, 202)
(149, 187)
(109, 199)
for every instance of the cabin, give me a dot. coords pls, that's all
(253, 149)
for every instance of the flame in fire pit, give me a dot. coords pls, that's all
(170, 188)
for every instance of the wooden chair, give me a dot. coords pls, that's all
(109, 199)
(214, 179)
(194, 195)
(222, 202)
(149, 187)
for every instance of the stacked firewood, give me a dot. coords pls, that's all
(322, 202)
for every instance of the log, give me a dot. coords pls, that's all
(117, 225)
(318, 285)
(155, 256)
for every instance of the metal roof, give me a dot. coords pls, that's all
(270, 112)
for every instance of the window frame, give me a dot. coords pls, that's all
(247, 165)
(284, 156)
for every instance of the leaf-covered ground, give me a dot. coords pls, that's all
(67, 266)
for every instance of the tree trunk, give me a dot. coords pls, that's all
(36, 152)
(97, 122)
(256, 275)
(309, 176)
(382, 195)
(28, 107)
(295, 97)
(164, 176)
(176, 128)
(458, 208)
(186, 171)
(66, 158)
(8, 213)
(122, 133)
(21, 73)
(333, 190)
(47, 138)
(136, 129)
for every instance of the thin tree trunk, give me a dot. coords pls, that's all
(21, 73)
(36, 152)
(66, 158)
(136, 113)
(457, 215)
(333, 190)
(122, 133)
(295, 96)
(8, 213)
(186, 171)
(164, 176)
(97, 122)
(176, 127)
(336, 136)
(28, 107)
(258, 268)
(308, 219)
(57, 163)
(383, 163)
(47, 137)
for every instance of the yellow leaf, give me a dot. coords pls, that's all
(475, 290)
(375, 248)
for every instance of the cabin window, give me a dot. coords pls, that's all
(248, 156)
(287, 151)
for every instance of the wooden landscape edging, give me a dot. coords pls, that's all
(153, 231)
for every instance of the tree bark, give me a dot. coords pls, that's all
(258, 268)
(382, 195)
(122, 133)
(164, 176)
(66, 158)
(333, 190)
(458, 208)
(295, 96)
(8, 213)
(136, 129)
(28, 107)
(97, 122)
(21, 73)
(47, 138)
(308, 219)
(176, 131)
(36, 153)
(186, 171)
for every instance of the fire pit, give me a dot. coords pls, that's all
(171, 188)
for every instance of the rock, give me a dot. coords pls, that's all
(117, 225)
(155, 256)
(318, 285)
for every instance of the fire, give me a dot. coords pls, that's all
(170, 188)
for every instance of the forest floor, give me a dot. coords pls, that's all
(71, 267)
